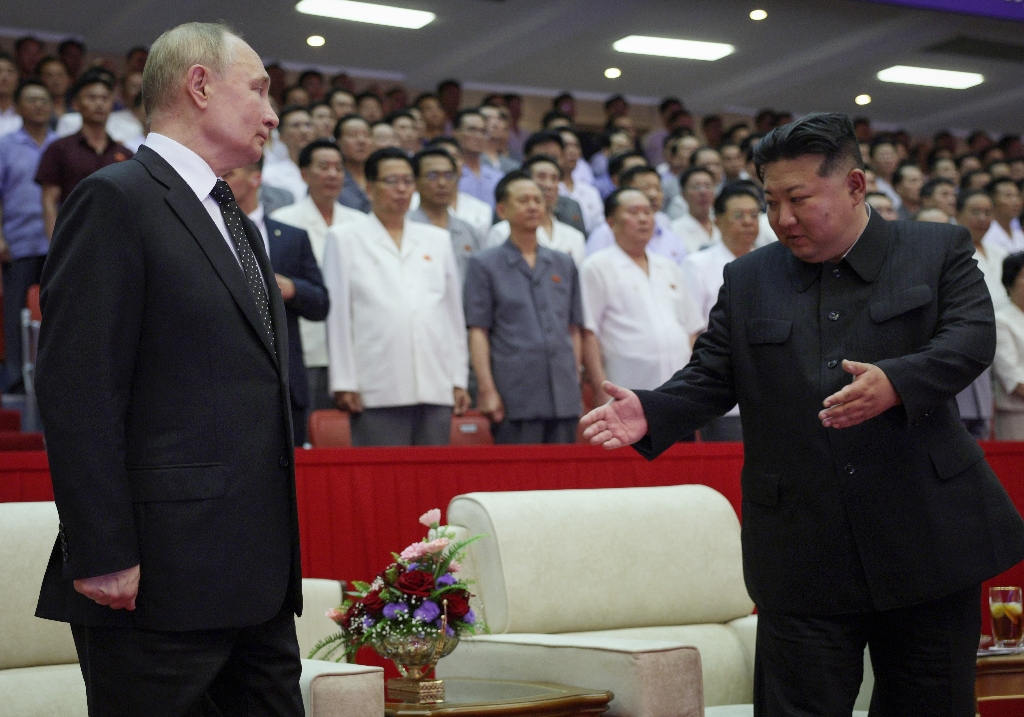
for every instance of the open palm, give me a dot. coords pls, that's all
(620, 422)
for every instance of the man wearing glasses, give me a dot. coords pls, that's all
(478, 178)
(396, 337)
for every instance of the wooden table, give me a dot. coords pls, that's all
(466, 697)
(1000, 677)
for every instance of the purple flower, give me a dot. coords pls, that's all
(469, 618)
(446, 579)
(450, 631)
(412, 566)
(427, 612)
(393, 608)
(367, 623)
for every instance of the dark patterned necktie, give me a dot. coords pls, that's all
(223, 195)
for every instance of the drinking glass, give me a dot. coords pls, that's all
(1005, 606)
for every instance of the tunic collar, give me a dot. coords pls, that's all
(866, 256)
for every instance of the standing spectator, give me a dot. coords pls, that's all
(696, 228)
(939, 193)
(907, 181)
(449, 92)
(437, 183)
(369, 107)
(710, 159)
(135, 59)
(356, 142)
(944, 168)
(477, 213)
(433, 115)
(1009, 361)
(1005, 231)
(882, 204)
(640, 318)
(296, 131)
(23, 240)
(68, 161)
(70, 122)
(313, 82)
(324, 119)
(478, 178)
(733, 161)
(712, 128)
(383, 135)
(884, 160)
(315, 212)
(296, 95)
(342, 81)
(342, 102)
(654, 141)
(396, 99)
(72, 52)
(617, 142)
(516, 134)
(549, 143)
(524, 314)
(52, 72)
(583, 193)
(408, 135)
(10, 120)
(396, 331)
(297, 275)
(679, 150)
(128, 126)
(28, 51)
(497, 126)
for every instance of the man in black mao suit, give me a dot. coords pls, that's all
(298, 277)
(870, 516)
(162, 385)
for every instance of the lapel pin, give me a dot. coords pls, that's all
(277, 232)
(556, 278)
(426, 257)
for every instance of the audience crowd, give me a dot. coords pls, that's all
(469, 262)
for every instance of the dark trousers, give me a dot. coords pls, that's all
(923, 657)
(236, 672)
(421, 425)
(300, 417)
(18, 275)
(541, 430)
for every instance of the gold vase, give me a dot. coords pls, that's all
(415, 656)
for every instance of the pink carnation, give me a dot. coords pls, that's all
(335, 614)
(436, 546)
(454, 567)
(414, 551)
(431, 517)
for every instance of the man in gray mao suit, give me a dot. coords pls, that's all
(870, 516)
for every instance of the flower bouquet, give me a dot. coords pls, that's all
(414, 612)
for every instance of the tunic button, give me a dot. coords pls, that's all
(836, 273)
(834, 316)
(850, 470)
(283, 462)
(833, 363)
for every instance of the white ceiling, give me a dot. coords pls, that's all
(808, 55)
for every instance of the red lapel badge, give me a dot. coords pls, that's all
(426, 257)
(556, 278)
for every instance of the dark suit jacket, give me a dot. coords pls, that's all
(165, 410)
(568, 211)
(898, 510)
(291, 255)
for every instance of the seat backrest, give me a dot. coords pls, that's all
(329, 428)
(580, 560)
(471, 430)
(27, 534)
(32, 302)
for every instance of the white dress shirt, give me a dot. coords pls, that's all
(285, 174)
(564, 238)
(694, 236)
(1008, 365)
(589, 199)
(991, 265)
(643, 321)
(665, 242)
(124, 127)
(396, 332)
(258, 217)
(998, 237)
(583, 173)
(10, 121)
(304, 215)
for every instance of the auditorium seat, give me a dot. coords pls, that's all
(10, 420)
(471, 429)
(18, 441)
(329, 428)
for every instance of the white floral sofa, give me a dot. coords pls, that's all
(39, 673)
(635, 590)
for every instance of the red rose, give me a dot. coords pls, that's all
(458, 604)
(416, 582)
(373, 604)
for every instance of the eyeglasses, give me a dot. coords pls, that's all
(435, 176)
(400, 181)
(738, 216)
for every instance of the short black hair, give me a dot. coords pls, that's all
(929, 187)
(306, 153)
(576, 134)
(612, 202)
(368, 96)
(558, 100)
(964, 157)
(1012, 266)
(966, 177)
(463, 114)
(340, 124)
(613, 99)
(934, 158)
(829, 135)
(321, 103)
(541, 159)
(626, 178)
(708, 119)
(417, 159)
(383, 154)
(95, 76)
(20, 42)
(964, 197)
(734, 128)
(70, 42)
(881, 140)
(30, 82)
(668, 102)
(133, 50)
(47, 60)
(542, 137)
(5, 57)
(311, 73)
(330, 95)
(616, 162)
(676, 115)
(703, 148)
(289, 110)
(444, 139)
(445, 84)
(501, 191)
(897, 176)
(690, 171)
(397, 115)
(292, 88)
(425, 96)
(731, 190)
(553, 115)
(992, 186)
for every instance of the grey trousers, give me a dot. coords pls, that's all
(419, 425)
(319, 392)
(541, 430)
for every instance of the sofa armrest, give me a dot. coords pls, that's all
(338, 689)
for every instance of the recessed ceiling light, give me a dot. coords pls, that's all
(862, 99)
(612, 72)
(670, 47)
(315, 41)
(366, 12)
(758, 15)
(930, 78)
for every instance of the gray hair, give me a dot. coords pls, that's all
(174, 52)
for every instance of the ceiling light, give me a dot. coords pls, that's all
(930, 78)
(862, 99)
(758, 15)
(612, 72)
(670, 47)
(315, 41)
(366, 12)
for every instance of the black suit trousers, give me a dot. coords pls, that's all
(923, 658)
(234, 672)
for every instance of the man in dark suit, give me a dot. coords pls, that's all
(298, 277)
(162, 385)
(870, 516)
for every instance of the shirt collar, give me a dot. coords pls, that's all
(257, 214)
(193, 169)
(27, 139)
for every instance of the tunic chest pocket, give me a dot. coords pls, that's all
(907, 300)
(768, 331)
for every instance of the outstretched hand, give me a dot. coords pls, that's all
(870, 395)
(620, 422)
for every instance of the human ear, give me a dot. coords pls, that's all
(197, 85)
(857, 183)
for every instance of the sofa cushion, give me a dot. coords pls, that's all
(27, 535)
(578, 560)
(52, 691)
(648, 678)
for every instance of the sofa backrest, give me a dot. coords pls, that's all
(580, 560)
(27, 534)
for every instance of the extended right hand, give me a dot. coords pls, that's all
(348, 401)
(620, 422)
(116, 590)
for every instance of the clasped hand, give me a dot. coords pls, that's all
(869, 395)
(115, 590)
